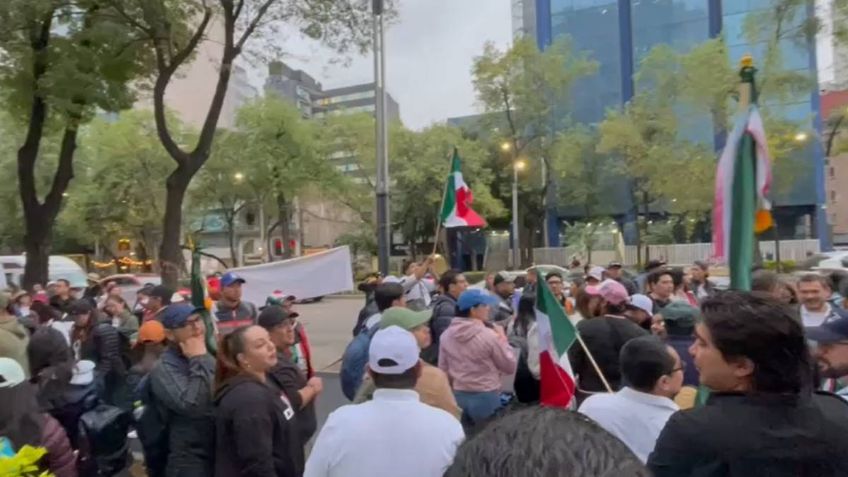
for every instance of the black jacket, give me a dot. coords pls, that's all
(604, 336)
(290, 379)
(73, 403)
(751, 436)
(255, 431)
(183, 388)
(444, 311)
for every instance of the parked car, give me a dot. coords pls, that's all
(59, 267)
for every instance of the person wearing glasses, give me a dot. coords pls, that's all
(636, 414)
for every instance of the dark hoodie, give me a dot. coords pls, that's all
(256, 434)
(444, 311)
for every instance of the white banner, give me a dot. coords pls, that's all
(311, 276)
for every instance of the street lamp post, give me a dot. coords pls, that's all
(382, 192)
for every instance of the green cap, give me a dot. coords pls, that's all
(404, 317)
(679, 316)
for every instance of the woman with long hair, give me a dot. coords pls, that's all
(523, 331)
(96, 340)
(256, 434)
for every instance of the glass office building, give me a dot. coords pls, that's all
(619, 33)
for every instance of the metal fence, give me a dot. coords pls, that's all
(677, 254)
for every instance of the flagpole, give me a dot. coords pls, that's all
(594, 364)
(439, 212)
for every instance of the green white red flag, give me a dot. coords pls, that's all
(556, 335)
(456, 210)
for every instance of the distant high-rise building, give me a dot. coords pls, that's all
(359, 98)
(295, 85)
(524, 18)
(832, 53)
(617, 34)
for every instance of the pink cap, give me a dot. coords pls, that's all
(613, 292)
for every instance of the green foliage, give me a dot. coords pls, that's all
(119, 192)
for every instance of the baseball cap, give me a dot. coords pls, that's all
(277, 297)
(474, 297)
(80, 307)
(231, 278)
(393, 350)
(502, 277)
(642, 302)
(614, 264)
(830, 332)
(11, 373)
(176, 316)
(151, 331)
(272, 316)
(596, 272)
(404, 318)
(392, 279)
(161, 292)
(701, 264)
(83, 373)
(679, 315)
(613, 292)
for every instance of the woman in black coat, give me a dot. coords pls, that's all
(256, 435)
(93, 339)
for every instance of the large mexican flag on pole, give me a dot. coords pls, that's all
(556, 335)
(456, 209)
(741, 207)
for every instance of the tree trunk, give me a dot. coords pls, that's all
(170, 252)
(285, 225)
(647, 213)
(231, 239)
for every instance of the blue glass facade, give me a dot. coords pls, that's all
(619, 33)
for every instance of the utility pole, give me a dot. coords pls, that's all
(383, 228)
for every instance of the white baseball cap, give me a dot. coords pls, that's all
(11, 373)
(642, 302)
(393, 351)
(83, 373)
(597, 273)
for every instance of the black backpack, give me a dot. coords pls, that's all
(526, 386)
(104, 449)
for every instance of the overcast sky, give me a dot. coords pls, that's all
(428, 64)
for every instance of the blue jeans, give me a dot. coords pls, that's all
(477, 407)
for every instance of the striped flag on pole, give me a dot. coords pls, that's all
(556, 335)
(456, 211)
(741, 207)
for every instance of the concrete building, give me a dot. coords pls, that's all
(832, 54)
(834, 105)
(619, 33)
(358, 98)
(524, 18)
(295, 85)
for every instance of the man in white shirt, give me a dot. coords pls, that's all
(638, 412)
(394, 434)
(813, 292)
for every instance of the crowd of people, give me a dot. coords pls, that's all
(674, 377)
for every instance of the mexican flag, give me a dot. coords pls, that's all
(200, 298)
(456, 209)
(556, 335)
(741, 208)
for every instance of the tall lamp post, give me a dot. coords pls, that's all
(382, 192)
(517, 165)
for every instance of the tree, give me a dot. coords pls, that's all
(174, 31)
(526, 91)
(120, 192)
(420, 164)
(60, 62)
(285, 158)
(221, 185)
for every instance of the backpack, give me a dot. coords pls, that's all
(526, 386)
(151, 424)
(104, 448)
(354, 359)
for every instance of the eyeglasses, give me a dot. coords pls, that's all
(682, 367)
(554, 282)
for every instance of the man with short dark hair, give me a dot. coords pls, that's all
(452, 284)
(814, 292)
(504, 289)
(661, 285)
(642, 279)
(544, 441)
(230, 310)
(62, 298)
(615, 271)
(555, 283)
(386, 295)
(653, 374)
(394, 433)
(181, 387)
(678, 321)
(701, 285)
(762, 418)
